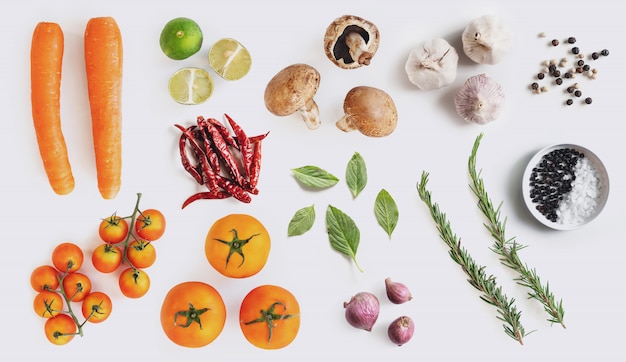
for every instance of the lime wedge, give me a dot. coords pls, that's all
(191, 85)
(229, 59)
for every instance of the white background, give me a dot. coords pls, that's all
(584, 267)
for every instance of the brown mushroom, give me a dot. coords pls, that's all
(291, 90)
(351, 42)
(369, 110)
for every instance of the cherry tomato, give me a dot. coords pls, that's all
(76, 286)
(237, 245)
(113, 229)
(96, 307)
(106, 258)
(141, 253)
(193, 314)
(44, 277)
(48, 304)
(269, 317)
(150, 224)
(67, 257)
(60, 329)
(134, 283)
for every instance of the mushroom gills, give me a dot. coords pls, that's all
(352, 34)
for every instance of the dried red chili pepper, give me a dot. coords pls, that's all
(214, 194)
(254, 139)
(255, 165)
(208, 176)
(244, 144)
(223, 132)
(234, 190)
(182, 145)
(224, 152)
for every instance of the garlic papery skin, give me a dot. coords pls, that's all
(362, 310)
(432, 65)
(486, 40)
(397, 293)
(480, 100)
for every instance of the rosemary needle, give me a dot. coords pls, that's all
(508, 248)
(491, 292)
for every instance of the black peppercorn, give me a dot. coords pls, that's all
(567, 75)
(555, 42)
(586, 67)
(595, 55)
(604, 52)
(540, 76)
(559, 81)
(578, 93)
(534, 86)
(570, 89)
(556, 73)
(552, 68)
(569, 102)
(581, 62)
(571, 40)
(588, 100)
(575, 50)
(579, 69)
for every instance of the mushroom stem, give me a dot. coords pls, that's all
(358, 48)
(345, 124)
(310, 114)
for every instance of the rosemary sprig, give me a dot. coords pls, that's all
(508, 248)
(491, 292)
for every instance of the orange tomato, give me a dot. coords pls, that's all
(60, 329)
(44, 277)
(141, 253)
(113, 229)
(134, 283)
(48, 304)
(67, 257)
(76, 286)
(237, 245)
(96, 307)
(150, 224)
(106, 258)
(193, 314)
(269, 317)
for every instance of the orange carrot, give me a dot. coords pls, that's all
(103, 61)
(46, 58)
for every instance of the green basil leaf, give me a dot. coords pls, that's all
(356, 174)
(314, 176)
(343, 233)
(302, 221)
(386, 211)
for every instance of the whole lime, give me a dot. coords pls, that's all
(181, 38)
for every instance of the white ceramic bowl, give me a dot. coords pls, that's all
(603, 187)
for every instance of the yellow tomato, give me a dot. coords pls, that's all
(269, 317)
(237, 245)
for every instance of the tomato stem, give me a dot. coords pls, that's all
(269, 316)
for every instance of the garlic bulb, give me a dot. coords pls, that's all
(432, 64)
(486, 40)
(480, 100)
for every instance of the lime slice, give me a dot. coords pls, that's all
(229, 59)
(191, 85)
(181, 38)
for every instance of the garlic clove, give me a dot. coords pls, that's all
(397, 293)
(486, 40)
(480, 100)
(432, 65)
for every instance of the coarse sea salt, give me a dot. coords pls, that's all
(580, 203)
